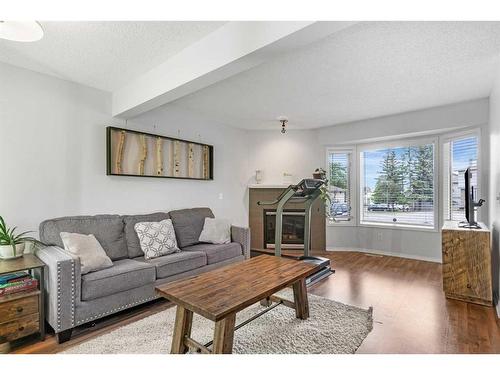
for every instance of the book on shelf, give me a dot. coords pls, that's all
(15, 282)
(11, 277)
(21, 286)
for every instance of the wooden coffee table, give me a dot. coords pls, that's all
(218, 295)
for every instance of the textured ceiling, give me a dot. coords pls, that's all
(105, 55)
(368, 70)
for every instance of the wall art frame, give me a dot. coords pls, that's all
(134, 153)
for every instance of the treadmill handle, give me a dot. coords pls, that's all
(269, 203)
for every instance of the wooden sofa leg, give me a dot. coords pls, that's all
(64, 336)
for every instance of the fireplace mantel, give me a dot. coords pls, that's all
(267, 186)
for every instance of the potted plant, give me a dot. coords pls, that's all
(319, 174)
(12, 244)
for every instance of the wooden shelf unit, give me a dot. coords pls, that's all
(22, 314)
(467, 263)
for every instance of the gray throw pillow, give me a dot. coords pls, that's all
(88, 249)
(216, 231)
(157, 238)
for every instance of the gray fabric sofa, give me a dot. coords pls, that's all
(74, 299)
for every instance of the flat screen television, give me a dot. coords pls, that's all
(469, 198)
(470, 203)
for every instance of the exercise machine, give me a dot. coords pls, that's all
(306, 192)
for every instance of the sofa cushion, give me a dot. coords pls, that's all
(216, 231)
(188, 224)
(173, 264)
(133, 245)
(88, 249)
(217, 253)
(124, 275)
(107, 229)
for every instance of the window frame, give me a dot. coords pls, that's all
(448, 138)
(401, 142)
(351, 150)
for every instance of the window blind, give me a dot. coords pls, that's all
(339, 185)
(397, 185)
(462, 153)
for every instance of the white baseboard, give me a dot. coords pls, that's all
(498, 310)
(387, 253)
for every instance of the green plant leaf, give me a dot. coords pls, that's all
(8, 236)
(20, 235)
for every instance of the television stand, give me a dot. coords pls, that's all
(467, 263)
(466, 224)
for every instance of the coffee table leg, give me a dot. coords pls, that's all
(182, 328)
(300, 299)
(266, 302)
(223, 335)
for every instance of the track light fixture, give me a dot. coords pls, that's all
(284, 121)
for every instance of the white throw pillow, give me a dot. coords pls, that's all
(88, 249)
(216, 231)
(156, 238)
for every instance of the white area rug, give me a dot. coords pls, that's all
(333, 328)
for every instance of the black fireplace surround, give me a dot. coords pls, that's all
(293, 228)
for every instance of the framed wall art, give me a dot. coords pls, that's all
(138, 154)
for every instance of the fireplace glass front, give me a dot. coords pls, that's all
(293, 229)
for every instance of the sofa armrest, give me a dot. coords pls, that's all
(62, 286)
(242, 236)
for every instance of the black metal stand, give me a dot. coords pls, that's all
(249, 320)
(306, 191)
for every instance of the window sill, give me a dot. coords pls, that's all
(351, 223)
(399, 226)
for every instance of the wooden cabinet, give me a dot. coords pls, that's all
(22, 313)
(19, 316)
(467, 263)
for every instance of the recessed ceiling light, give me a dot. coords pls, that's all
(21, 31)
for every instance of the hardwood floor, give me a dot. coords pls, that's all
(411, 314)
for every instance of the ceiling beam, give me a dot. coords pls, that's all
(231, 49)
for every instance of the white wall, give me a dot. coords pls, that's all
(416, 244)
(295, 152)
(493, 203)
(53, 154)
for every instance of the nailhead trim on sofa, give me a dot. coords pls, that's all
(59, 294)
(123, 307)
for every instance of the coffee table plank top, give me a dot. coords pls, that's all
(218, 293)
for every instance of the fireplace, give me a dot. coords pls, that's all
(293, 229)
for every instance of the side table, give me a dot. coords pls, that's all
(23, 313)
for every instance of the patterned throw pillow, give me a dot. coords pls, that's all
(157, 238)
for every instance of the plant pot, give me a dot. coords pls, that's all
(7, 251)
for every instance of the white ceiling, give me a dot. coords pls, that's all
(368, 70)
(104, 55)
